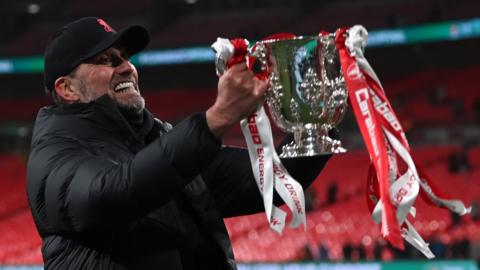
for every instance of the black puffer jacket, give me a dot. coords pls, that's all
(107, 196)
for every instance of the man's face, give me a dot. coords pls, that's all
(109, 72)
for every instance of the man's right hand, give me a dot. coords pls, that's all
(239, 94)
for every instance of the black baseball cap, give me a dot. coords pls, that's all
(83, 39)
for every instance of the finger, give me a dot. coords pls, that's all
(239, 67)
(260, 86)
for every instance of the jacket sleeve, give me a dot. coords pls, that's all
(231, 180)
(83, 192)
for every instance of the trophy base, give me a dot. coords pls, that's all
(309, 147)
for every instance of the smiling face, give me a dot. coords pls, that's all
(111, 73)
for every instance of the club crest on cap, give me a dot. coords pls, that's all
(105, 25)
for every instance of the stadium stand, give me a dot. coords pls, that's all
(348, 221)
(334, 225)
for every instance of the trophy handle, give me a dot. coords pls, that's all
(229, 52)
(258, 54)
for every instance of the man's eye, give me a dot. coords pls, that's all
(104, 60)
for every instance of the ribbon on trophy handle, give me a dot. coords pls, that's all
(267, 167)
(390, 193)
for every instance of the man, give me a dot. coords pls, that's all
(111, 187)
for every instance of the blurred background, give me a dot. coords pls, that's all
(425, 52)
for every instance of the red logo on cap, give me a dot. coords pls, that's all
(105, 25)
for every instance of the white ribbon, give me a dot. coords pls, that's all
(260, 152)
(267, 167)
(411, 236)
(270, 173)
(356, 42)
(224, 50)
(455, 206)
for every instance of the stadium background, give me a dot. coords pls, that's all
(431, 80)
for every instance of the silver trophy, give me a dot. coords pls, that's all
(307, 93)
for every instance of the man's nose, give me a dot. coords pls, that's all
(124, 67)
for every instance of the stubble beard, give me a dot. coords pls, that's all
(134, 103)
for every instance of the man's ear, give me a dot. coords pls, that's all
(65, 89)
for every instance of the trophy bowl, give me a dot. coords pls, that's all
(307, 94)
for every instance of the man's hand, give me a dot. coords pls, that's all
(239, 94)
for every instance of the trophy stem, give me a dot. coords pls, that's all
(311, 140)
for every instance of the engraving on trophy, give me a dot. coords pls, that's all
(295, 110)
(274, 100)
(309, 91)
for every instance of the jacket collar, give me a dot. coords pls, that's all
(101, 114)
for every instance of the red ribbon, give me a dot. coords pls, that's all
(371, 128)
(240, 51)
(376, 118)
